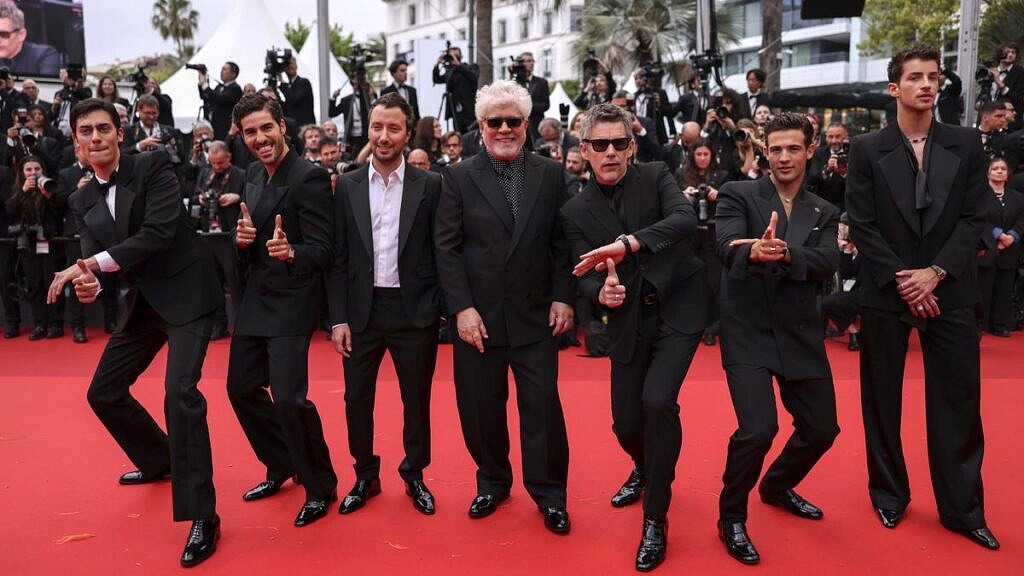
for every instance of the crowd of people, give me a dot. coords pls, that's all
(745, 227)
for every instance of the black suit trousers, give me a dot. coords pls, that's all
(645, 405)
(952, 383)
(481, 390)
(414, 352)
(812, 403)
(8, 284)
(285, 432)
(185, 450)
(996, 306)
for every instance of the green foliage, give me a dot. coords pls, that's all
(176, 20)
(297, 34)
(892, 24)
(1002, 22)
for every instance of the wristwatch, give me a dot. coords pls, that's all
(939, 272)
(625, 241)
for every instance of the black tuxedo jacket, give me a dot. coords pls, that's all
(663, 221)
(414, 102)
(35, 60)
(344, 106)
(540, 95)
(769, 310)
(229, 214)
(135, 133)
(461, 83)
(298, 101)
(950, 105)
(509, 270)
(219, 102)
(350, 283)
(67, 184)
(152, 240)
(890, 233)
(280, 298)
(1006, 218)
(662, 116)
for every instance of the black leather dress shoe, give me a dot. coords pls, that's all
(38, 333)
(78, 334)
(314, 510)
(485, 504)
(710, 339)
(264, 489)
(556, 519)
(359, 494)
(422, 499)
(12, 332)
(653, 542)
(202, 541)
(54, 332)
(632, 489)
(889, 518)
(219, 333)
(737, 543)
(854, 344)
(791, 501)
(138, 477)
(982, 537)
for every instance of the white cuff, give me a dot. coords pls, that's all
(106, 263)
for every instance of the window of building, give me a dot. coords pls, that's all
(547, 22)
(740, 62)
(524, 27)
(463, 6)
(502, 31)
(442, 36)
(575, 18)
(395, 50)
(546, 63)
(412, 14)
(462, 33)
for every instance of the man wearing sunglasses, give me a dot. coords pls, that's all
(628, 228)
(24, 58)
(504, 266)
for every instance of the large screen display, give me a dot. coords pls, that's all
(39, 37)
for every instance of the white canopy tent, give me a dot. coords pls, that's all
(243, 37)
(559, 96)
(308, 55)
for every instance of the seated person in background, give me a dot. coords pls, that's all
(451, 146)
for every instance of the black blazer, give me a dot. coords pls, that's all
(663, 221)
(540, 95)
(67, 184)
(344, 106)
(461, 83)
(152, 240)
(950, 104)
(298, 101)
(769, 310)
(510, 271)
(219, 102)
(890, 233)
(1006, 218)
(350, 282)
(278, 298)
(235, 185)
(35, 60)
(134, 134)
(414, 101)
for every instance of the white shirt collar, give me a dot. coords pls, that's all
(399, 172)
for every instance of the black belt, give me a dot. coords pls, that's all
(387, 292)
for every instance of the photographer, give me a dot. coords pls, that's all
(950, 104)
(73, 92)
(748, 155)
(553, 138)
(148, 134)
(35, 220)
(653, 102)
(330, 158)
(595, 92)
(827, 177)
(460, 81)
(8, 258)
(841, 307)
(1007, 79)
(218, 102)
(297, 95)
(399, 70)
(647, 147)
(356, 109)
(215, 204)
(31, 136)
(719, 127)
(30, 96)
(166, 102)
(995, 140)
(522, 70)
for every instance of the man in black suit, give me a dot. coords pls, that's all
(949, 105)
(30, 96)
(644, 131)
(828, 168)
(777, 242)
(297, 93)
(384, 296)
(653, 102)
(131, 222)
(755, 94)
(399, 70)
(356, 109)
(460, 81)
(284, 246)
(19, 56)
(1007, 76)
(632, 222)
(915, 195)
(504, 264)
(218, 102)
(147, 134)
(554, 138)
(540, 94)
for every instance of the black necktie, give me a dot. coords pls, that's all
(105, 186)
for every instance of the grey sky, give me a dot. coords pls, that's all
(121, 29)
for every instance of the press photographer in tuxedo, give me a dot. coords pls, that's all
(218, 102)
(131, 222)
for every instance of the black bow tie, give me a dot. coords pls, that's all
(105, 186)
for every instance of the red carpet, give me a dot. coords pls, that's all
(59, 479)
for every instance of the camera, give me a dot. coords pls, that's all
(76, 71)
(446, 55)
(201, 68)
(591, 65)
(212, 209)
(275, 63)
(24, 235)
(204, 142)
(762, 163)
(702, 202)
(740, 136)
(653, 72)
(139, 78)
(47, 184)
(5, 73)
(722, 112)
(517, 70)
(356, 63)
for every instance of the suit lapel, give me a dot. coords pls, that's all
(899, 176)
(97, 218)
(487, 183)
(359, 199)
(767, 200)
(274, 190)
(534, 178)
(801, 220)
(124, 197)
(631, 202)
(598, 206)
(942, 168)
(412, 195)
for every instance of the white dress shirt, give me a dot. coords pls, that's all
(385, 212)
(104, 259)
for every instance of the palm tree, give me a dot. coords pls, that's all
(626, 33)
(175, 19)
(484, 40)
(771, 42)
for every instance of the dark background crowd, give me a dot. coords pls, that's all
(706, 138)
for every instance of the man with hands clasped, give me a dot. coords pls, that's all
(631, 222)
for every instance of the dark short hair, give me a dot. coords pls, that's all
(758, 73)
(450, 134)
(605, 112)
(147, 100)
(1000, 158)
(90, 105)
(838, 125)
(394, 100)
(1004, 46)
(328, 141)
(916, 51)
(393, 67)
(233, 66)
(789, 121)
(990, 107)
(254, 103)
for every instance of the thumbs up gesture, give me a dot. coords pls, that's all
(278, 246)
(87, 287)
(612, 294)
(245, 234)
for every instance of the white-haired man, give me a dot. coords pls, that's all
(504, 266)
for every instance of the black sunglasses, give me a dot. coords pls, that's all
(496, 123)
(601, 145)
